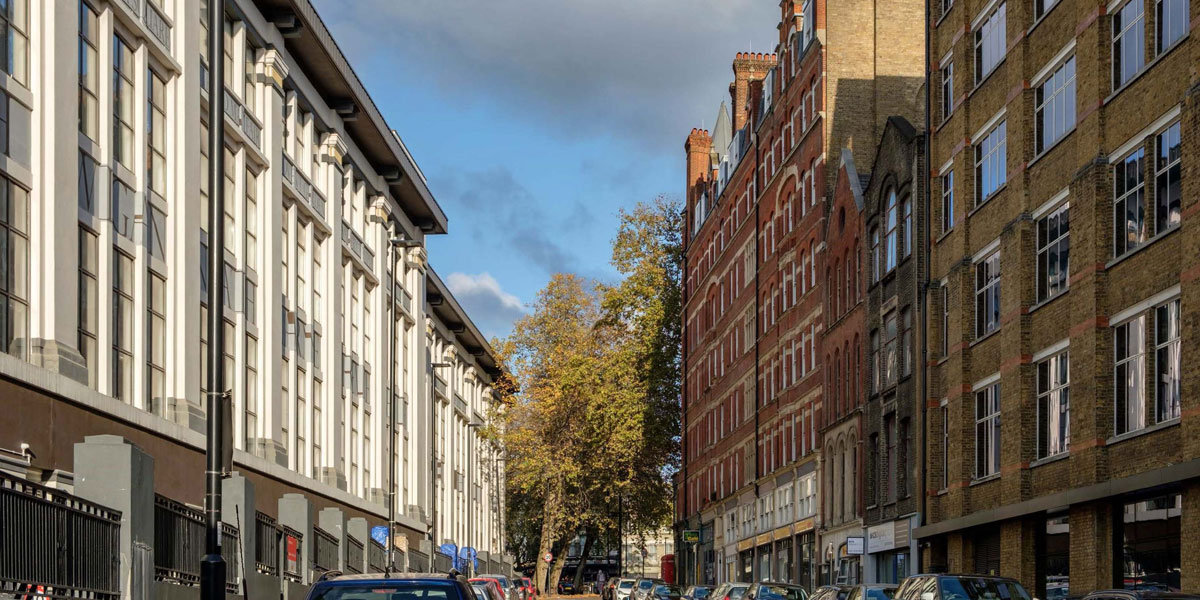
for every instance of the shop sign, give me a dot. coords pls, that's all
(691, 536)
(881, 538)
(854, 546)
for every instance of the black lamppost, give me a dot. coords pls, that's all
(212, 565)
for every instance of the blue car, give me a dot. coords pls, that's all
(407, 586)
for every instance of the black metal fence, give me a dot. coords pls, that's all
(266, 544)
(376, 556)
(55, 544)
(292, 541)
(354, 555)
(179, 544)
(325, 550)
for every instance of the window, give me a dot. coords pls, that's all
(230, 201)
(947, 201)
(252, 408)
(157, 339)
(227, 53)
(945, 446)
(891, 371)
(156, 134)
(1129, 372)
(251, 220)
(1129, 219)
(123, 102)
(990, 43)
(156, 230)
(947, 90)
(875, 375)
(14, 43)
(887, 462)
(987, 294)
(89, 314)
(1054, 405)
(1053, 253)
(3, 123)
(1166, 361)
(946, 6)
(987, 431)
(248, 95)
(945, 319)
(1171, 19)
(809, 21)
(1041, 7)
(1128, 45)
(89, 72)
(1054, 107)
(1167, 176)
(891, 224)
(906, 228)
(1150, 532)
(122, 385)
(122, 209)
(906, 341)
(876, 262)
(251, 302)
(991, 168)
(87, 183)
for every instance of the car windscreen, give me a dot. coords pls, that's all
(625, 584)
(781, 592)
(737, 591)
(978, 588)
(667, 590)
(701, 592)
(480, 591)
(880, 593)
(416, 590)
(645, 584)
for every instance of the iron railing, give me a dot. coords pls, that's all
(376, 557)
(179, 544)
(325, 550)
(231, 550)
(178, 541)
(57, 545)
(354, 555)
(291, 542)
(266, 545)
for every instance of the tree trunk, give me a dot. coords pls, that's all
(587, 550)
(546, 543)
(560, 560)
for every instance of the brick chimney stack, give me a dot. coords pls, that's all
(698, 148)
(747, 67)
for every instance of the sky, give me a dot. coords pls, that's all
(536, 121)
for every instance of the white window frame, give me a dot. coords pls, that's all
(991, 155)
(1059, 213)
(1134, 28)
(1054, 404)
(1054, 101)
(991, 428)
(985, 326)
(990, 40)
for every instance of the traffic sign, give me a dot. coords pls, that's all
(548, 557)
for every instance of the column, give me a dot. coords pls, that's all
(296, 512)
(333, 521)
(358, 528)
(53, 202)
(238, 508)
(111, 471)
(1092, 546)
(420, 389)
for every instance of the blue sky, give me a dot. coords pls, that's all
(536, 121)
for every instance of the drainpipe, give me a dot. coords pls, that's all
(923, 284)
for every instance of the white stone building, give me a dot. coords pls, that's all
(103, 136)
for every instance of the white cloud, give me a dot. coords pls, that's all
(642, 70)
(490, 307)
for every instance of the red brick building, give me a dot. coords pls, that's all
(757, 198)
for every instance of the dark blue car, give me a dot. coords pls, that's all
(407, 586)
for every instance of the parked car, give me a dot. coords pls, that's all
(642, 588)
(960, 587)
(566, 587)
(487, 589)
(1139, 594)
(526, 584)
(730, 591)
(409, 586)
(770, 590)
(666, 591)
(868, 591)
(697, 592)
(506, 585)
(623, 589)
(610, 585)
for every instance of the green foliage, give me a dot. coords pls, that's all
(590, 396)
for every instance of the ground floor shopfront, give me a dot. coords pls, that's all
(1147, 539)
(891, 551)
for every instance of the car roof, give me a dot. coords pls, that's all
(442, 577)
(1143, 594)
(967, 576)
(780, 583)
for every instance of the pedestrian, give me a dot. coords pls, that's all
(600, 577)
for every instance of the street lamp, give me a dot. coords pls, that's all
(395, 242)
(433, 463)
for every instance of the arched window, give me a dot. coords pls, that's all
(803, 274)
(857, 270)
(891, 223)
(876, 264)
(847, 398)
(857, 376)
(839, 476)
(833, 384)
(837, 290)
(906, 212)
(851, 478)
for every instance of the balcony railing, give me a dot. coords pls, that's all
(354, 555)
(179, 544)
(303, 186)
(325, 550)
(266, 542)
(242, 117)
(55, 545)
(376, 557)
(291, 541)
